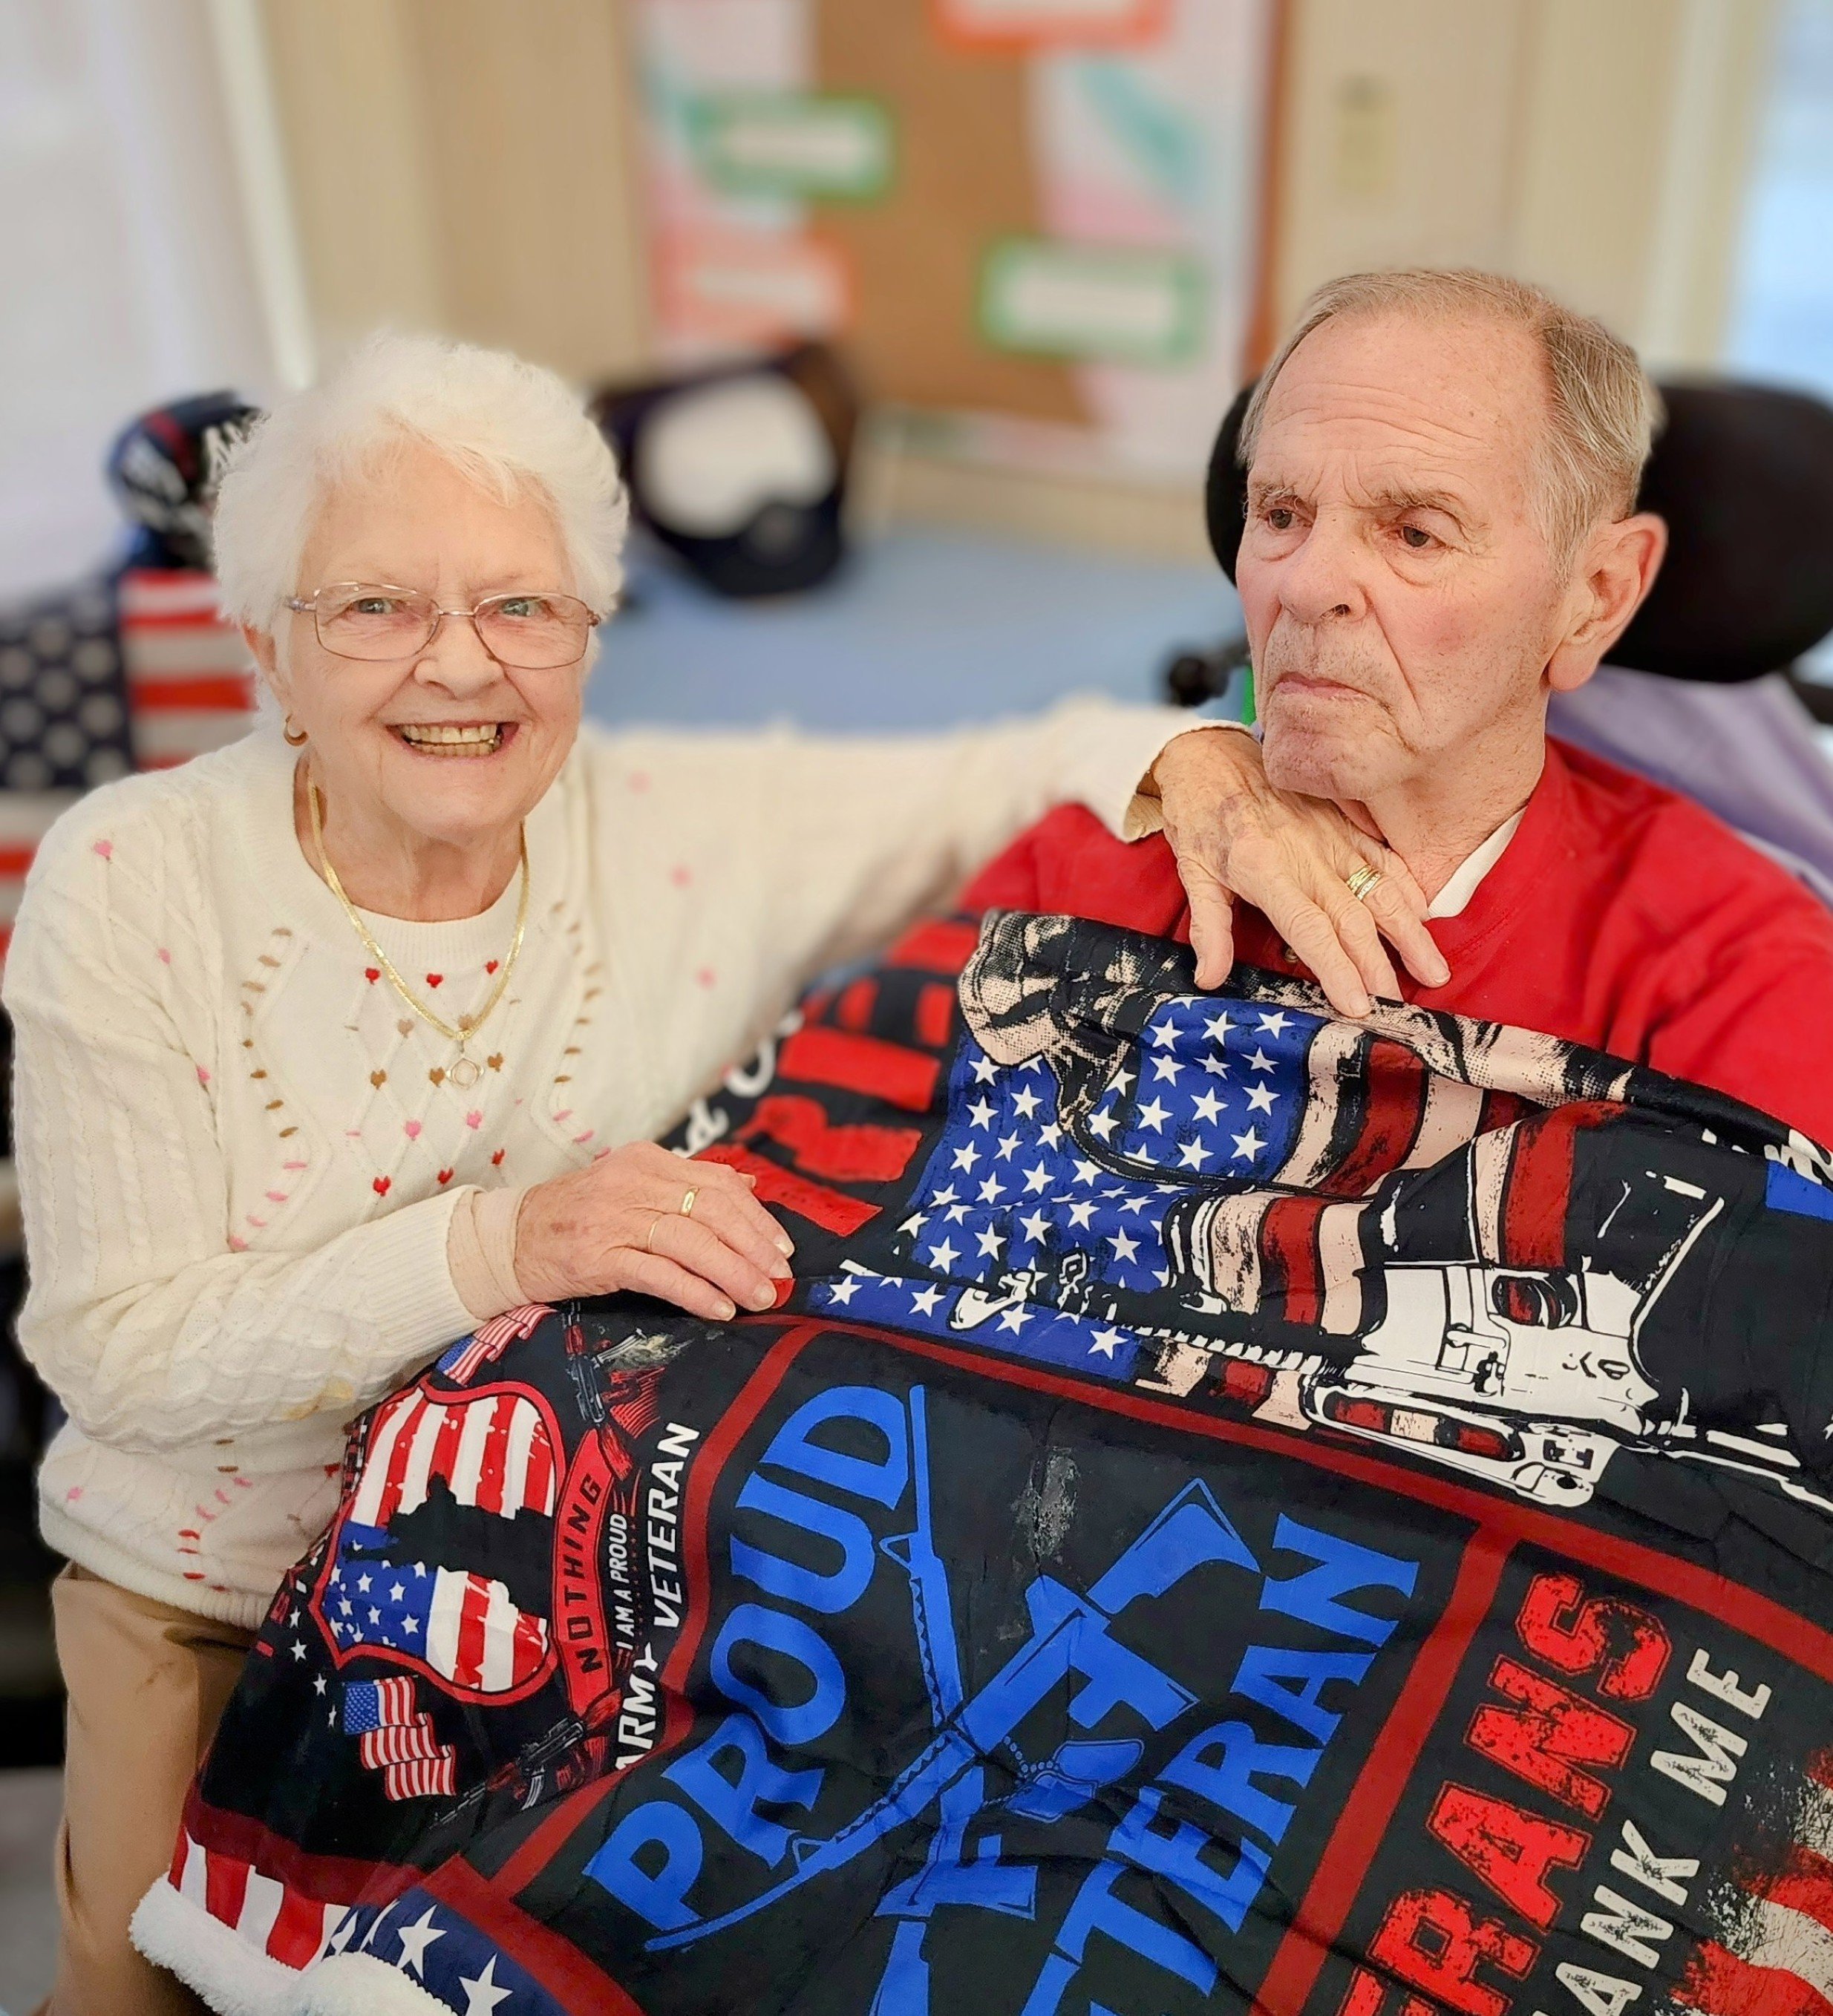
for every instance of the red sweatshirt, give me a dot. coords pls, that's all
(1620, 915)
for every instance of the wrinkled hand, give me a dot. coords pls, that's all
(1291, 857)
(618, 1224)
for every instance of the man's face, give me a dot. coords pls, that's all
(1400, 597)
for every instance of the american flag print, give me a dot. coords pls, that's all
(1394, 1300)
(453, 1965)
(63, 710)
(1006, 1203)
(394, 1737)
(495, 1451)
(274, 1918)
(1774, 1951)
(489, 1342)
(465, 1628)
(190, 684)
(1215, 1089)
(63, 720)
(1060, 1231)
(373, 1704)
(137, 670)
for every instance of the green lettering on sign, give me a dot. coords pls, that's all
(1120, 304)
(822, 146)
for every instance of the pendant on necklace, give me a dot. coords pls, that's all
(466, 1071)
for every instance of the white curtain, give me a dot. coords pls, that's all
(125, 269)
(1782, 324)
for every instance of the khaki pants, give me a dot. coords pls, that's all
(147, 1685)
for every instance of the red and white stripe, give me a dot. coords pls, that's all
(1774, 1955)
(491, 1340)
(394, 1699)
(1337, 1054)
(1300, 1255)
(423, 1778)
(190, 686)
(273, 1917)
(1453, 1116)
(477, 1637)
(1520, 1185)
(406, 1749)
(495, 1453)
(399, 1743)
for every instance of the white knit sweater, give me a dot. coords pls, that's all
(239, 1153)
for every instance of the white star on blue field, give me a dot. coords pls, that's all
(1010, 1215)
(447, 1959)
(369, 1603)
(1216, 1090)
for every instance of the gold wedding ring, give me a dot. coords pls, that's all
(648, 1238)
(687, 1204)
(1362, 881)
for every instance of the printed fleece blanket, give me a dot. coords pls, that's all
(1240, 1510)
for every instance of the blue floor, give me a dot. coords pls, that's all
(922, 629)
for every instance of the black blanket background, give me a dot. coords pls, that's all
(1341, 1525)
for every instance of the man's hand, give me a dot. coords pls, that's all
(1292, 857)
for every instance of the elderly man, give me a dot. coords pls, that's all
(1442, 470)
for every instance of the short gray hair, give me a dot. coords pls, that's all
(1603, 411)
(504, 423)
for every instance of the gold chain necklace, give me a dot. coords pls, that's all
(466, 1071)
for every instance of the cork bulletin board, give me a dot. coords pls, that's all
(1035, 223)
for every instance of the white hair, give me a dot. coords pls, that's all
(503, 423)
(1602, 411)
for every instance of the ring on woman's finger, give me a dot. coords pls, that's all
(648, 1238)
(687, 1204)
(1363, 882)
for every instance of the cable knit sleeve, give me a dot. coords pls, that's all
(873, 832)
(850, 837)
(149, 1329)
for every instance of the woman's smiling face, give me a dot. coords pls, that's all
(446, 743)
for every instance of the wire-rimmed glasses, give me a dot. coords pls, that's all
(532, 630)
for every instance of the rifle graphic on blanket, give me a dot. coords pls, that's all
(1070, 1641)
(1240, 1511)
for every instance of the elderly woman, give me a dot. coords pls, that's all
(336, 1043)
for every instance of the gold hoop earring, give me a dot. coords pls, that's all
(293, 739)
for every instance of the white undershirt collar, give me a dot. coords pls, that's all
(1453, 899)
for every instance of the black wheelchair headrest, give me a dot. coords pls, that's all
(1744, 475)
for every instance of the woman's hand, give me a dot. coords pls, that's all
(1292, 857)
(618, 1224)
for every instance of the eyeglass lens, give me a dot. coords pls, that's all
(532, 632)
